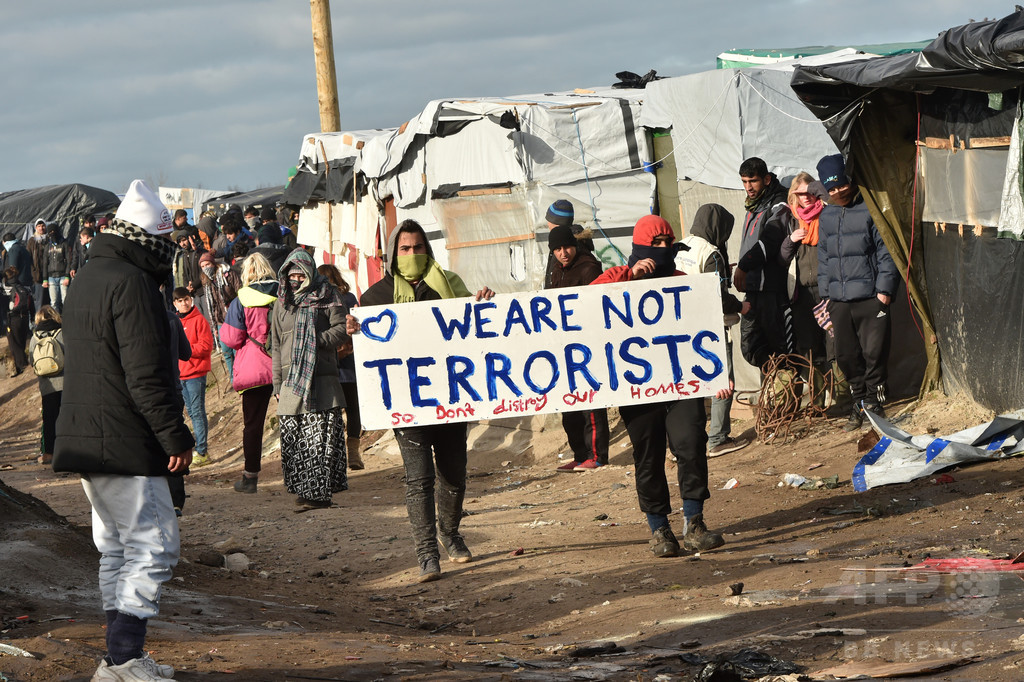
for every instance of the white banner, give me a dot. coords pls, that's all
(456, 360)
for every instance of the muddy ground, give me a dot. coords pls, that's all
(562, 564)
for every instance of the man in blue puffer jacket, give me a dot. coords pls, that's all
(857, 276)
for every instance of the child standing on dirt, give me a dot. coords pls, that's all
(195, 369)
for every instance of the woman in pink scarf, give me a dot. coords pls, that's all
(800, 252)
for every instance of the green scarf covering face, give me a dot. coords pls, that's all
(411, 267)
(446, 284)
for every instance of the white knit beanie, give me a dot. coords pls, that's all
(142, 208)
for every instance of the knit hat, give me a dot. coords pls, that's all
(649, 227)
(268, 213)
(561, 235)
(102, 222)
(269, 234)
(141, 207)
(832, 172)
(560, 213)
(207, 257)
(178, 235)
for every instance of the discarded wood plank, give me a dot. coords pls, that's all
(876, 669)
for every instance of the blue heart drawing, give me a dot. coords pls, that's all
(364, 326)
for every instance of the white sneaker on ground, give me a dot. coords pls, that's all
(143, 669)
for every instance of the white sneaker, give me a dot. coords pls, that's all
(143, 669)
(165, 670)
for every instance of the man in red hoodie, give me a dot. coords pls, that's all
(195, 369)
(681, 422)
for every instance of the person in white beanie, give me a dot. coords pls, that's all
(121, 426)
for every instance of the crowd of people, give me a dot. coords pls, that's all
(131, 316)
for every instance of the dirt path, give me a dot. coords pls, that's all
(561, 563)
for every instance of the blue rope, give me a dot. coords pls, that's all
(586, 174)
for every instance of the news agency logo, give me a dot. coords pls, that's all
(963, 594)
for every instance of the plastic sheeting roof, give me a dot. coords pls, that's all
(719, 118)
(984, 56)
(63, 204)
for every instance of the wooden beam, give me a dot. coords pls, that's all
(485, 242)
(482, 192)
(983, 142)
(326, 76)
(576, 106)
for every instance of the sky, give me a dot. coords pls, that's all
(218, 94)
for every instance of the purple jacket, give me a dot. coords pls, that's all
(247, 330)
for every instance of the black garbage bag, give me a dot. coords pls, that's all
(745, 664)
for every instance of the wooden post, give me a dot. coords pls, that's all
(326, 76)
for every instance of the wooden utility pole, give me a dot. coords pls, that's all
(326, 76)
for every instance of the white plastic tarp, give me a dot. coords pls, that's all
(593, 139)
(320, 148)
(900, 457)
(1011, 214)
(719, 118)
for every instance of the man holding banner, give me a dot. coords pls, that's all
(414, 275)
(682, 421)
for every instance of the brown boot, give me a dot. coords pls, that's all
(355, 460)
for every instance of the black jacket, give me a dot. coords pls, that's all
(762, 238)
(583, 270)
(56, 262)
(853, 262)
(119, 413)
(19, 257)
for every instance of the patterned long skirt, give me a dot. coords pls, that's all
(313, 454)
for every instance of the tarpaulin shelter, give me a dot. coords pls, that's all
(705, 125)
(65, 205)
(479, 174)
(928, 139)
(740, 58)
(259, 198)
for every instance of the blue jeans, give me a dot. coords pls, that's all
(721, 419)
(194, 393)
(136, 532)
(229, 360)
(58, 293)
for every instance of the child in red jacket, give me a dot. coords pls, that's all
(195, 369)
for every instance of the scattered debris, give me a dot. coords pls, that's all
(900, 457)
(8, 650)
(596, 650)
(519, 551)
(730, 484)
(736, 588)
(744, 664)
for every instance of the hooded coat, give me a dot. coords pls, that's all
(383, 292)
(712, 225)
(330, 333)
(119, 413)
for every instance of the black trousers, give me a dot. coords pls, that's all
(422, 447)
(354, 427)
(17, 339)
(767, 329)
(51, 409)
(681, 423)
(862, 345)
(254, 413)
(587, 431)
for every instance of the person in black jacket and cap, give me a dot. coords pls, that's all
(857, 276)
(121, 425)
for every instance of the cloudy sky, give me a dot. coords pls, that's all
(218, 93)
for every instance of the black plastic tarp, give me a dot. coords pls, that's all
(65, 205)
(333, 184)
(258, 198)
(984, 56)
(876, 111)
